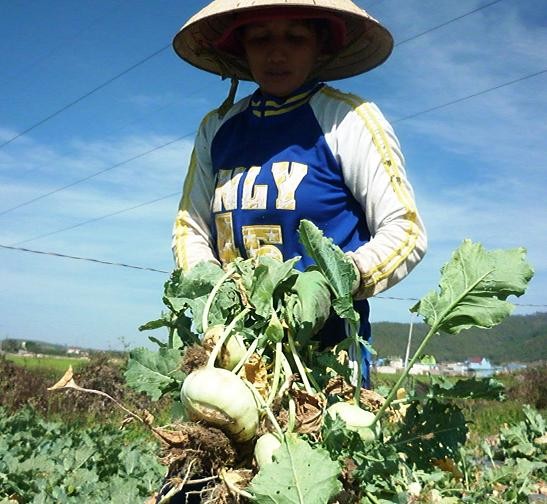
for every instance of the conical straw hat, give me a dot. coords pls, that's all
(367, 42)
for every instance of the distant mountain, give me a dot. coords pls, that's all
(518, 338)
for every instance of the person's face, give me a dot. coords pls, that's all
(281, 54)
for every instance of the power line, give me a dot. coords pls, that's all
(123, 265)
(180, 138)
(84, 96)
(473, 95)
(100, 86)
(447, 22)
(162, 49)
(79, 181)
(89, 221)
(89, 259)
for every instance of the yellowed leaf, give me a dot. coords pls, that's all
(67, 381)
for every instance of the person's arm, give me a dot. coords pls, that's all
(192, 240)
(373, 168)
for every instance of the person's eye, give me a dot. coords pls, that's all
(257, 40)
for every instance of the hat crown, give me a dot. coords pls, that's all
(368, 43)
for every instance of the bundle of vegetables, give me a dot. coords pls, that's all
(262, 413)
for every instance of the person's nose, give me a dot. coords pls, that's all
(277, 53)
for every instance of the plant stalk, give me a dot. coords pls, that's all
(224, 336)
(277, 373)
(205, 316)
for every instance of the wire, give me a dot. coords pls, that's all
(180, 138)
(89, 221)
(84, 96)
(446, 23)
(478, 93)
(79, 181)
(123, 265)
(89, 259)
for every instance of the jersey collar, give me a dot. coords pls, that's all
(265, 105)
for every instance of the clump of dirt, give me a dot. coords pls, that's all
(195, 457)
(206, 449)
(195, 357)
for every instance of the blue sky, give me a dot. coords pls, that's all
(478, 166)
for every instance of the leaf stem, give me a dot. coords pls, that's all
(248, 353)
(205, 316)
(433, 329)
(301, 369)
(277, 373)
(260, 401)
(224, 336)
(354, 335)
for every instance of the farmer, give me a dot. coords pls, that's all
(296, 148)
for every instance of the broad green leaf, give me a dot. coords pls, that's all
(164, 321)
(335, 266)
(154, 373)
(191, 290)
(267, 277)
(308, 305)
(471, 388)
(299, 474)
(274, 331)
(474, 286)
(430, 431)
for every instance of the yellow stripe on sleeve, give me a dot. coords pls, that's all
(379, 137)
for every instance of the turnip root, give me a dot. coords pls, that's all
(220, 398)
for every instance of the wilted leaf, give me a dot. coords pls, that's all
(66, 381)
(309, 411)
(473, 288)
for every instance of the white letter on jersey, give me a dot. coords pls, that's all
(287, 183)
(226, 189)
(254, 196)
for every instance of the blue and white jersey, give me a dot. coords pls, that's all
(319, 154)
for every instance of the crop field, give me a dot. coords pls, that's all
(240, 404)
(47, 363)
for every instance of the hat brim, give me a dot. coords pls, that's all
(368, 44)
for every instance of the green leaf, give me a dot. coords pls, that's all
(472, 388)
(335, 266)
(431, 431)
(299, 474)
(190, 290)
(308, 305)
(154, 373)
(474, 286)
(330, 259)
(165, 321)
(267, 277)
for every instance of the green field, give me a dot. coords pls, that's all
(54, 364)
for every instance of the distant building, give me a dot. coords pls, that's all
(480, 367)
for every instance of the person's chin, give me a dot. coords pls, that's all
(278, 84)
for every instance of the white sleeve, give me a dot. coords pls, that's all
(192, 239)
(373, 168)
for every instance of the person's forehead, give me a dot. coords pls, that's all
(278, 23)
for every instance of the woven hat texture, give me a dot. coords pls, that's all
(367, 45)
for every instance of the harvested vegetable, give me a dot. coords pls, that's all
(356, 419)
(231, 351)
(218, 397)
(265, 447)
